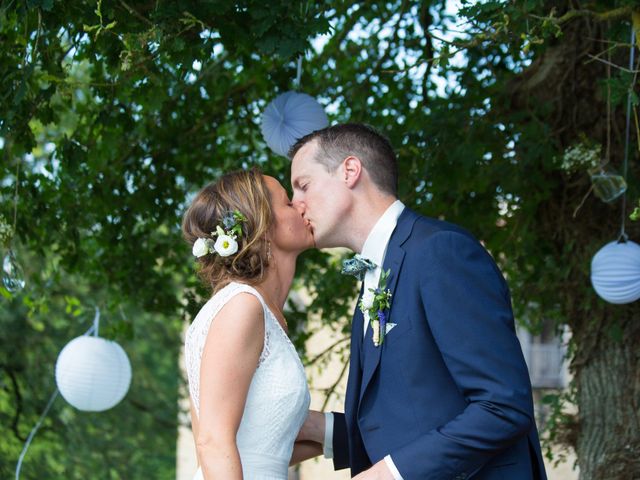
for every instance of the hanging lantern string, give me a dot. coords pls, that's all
(15, 198)
(298, 74)
(92, 329)
(96, 322)
(33, 432)
(34, 51)
(623, 235)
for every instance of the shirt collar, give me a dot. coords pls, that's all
(376, 243)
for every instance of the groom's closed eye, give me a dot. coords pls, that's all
(301, 183)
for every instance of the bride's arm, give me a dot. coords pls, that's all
(304, 450)
(229, 360)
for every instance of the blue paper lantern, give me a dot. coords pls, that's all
(289, 117)
(615, 272)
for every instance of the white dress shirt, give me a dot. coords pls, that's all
(374, 249)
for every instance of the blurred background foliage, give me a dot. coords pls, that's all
(114, 113)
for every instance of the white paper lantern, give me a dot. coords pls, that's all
(615, 272)
(93, 374)
(289, 117)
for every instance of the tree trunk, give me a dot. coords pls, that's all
(608, 443)
(606, 360)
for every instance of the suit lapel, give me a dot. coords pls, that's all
(393, 262)
(355, 367)
(372, 354)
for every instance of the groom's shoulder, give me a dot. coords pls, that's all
(426, 227)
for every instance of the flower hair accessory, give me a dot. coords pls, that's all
(227, 242)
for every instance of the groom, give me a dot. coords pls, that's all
(446, 393)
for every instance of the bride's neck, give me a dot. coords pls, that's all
(278, 278)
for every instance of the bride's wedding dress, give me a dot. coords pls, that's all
(278, 397)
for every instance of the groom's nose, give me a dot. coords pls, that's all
(298, 205)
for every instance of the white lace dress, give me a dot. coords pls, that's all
(278, 398)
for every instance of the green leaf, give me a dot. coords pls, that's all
(90, 28)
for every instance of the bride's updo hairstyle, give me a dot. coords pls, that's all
(246, 192)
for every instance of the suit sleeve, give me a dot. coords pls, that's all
(468, 308)
(340, 442)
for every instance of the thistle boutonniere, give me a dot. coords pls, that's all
(377, 302)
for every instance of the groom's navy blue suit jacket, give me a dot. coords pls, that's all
(447, 394)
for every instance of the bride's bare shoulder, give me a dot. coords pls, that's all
(243, 312)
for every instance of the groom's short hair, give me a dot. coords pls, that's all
(372, 148)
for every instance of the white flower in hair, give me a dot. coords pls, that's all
(225, 245)
(201, 247)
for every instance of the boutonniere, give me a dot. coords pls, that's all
(377, 302)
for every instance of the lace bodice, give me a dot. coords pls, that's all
(278, 398)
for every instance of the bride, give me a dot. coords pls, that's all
(248, 391)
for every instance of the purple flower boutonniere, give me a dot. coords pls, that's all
(377, 302)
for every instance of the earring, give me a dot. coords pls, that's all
(268, 250)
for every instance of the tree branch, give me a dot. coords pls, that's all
(18, 395)
(326, 350)
(611, 64)
(426, 20)
(615, 14)
(135, 13)
(329, 391)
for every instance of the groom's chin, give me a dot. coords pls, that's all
(310, 240)
(322, 243)
(326, 240)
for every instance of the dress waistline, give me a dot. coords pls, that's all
(258, 463)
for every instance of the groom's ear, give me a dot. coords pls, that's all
(351, 171)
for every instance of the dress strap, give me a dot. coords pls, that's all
(237, 287)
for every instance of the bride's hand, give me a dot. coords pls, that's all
(313, 428)
(379, 471)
